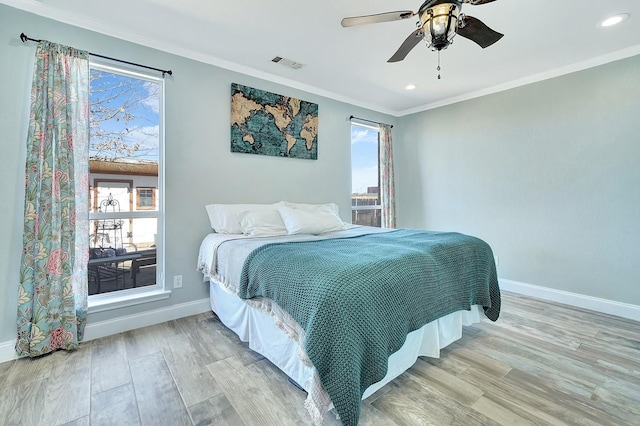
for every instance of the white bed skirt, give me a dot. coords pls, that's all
(263, 335)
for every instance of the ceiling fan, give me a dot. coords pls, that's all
(439, 22)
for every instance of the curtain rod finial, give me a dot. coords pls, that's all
(23, 37)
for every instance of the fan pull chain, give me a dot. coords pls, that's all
(438, 65)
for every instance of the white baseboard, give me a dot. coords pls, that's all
(8, 351)
(144, 319)
(605, 306)
(157, 316)
(125, 323)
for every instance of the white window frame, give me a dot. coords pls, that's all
(356, 122)
(129, 297)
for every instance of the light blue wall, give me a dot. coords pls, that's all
(200, 169)
(548, 174)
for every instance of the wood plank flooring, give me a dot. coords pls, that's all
(540, 364)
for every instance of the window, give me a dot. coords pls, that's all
(146, 199)
(365, 176)
(125, 166)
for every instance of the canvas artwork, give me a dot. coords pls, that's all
(266, 123)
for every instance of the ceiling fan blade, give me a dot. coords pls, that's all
(380, 17)
(406, 47)
(477, 2)
(478, 32)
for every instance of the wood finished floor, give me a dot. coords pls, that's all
(540, 364)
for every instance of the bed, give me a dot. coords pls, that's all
(341, 309)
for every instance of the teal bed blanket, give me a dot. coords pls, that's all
(357, 298)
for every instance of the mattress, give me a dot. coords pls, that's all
(272, 333)
(260, 331)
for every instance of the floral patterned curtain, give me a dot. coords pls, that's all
(387, 178)
(52, 296)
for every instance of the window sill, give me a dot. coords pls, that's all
(121, 299)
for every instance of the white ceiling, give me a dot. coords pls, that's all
(543, 39)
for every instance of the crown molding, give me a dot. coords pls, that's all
(578, 66)
(51, 12)
(65, 17)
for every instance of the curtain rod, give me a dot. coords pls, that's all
(370, 121)
(24, 39)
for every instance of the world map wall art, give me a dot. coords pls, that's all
(265, 123)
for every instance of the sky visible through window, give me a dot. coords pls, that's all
(364, 159)
(124, 117)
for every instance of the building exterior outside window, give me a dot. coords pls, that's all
(365, 176)
(125, 170)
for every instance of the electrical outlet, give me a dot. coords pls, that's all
(177, 281)
(497, 259)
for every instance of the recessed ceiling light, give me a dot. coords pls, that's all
(411, 87)
(614, 20)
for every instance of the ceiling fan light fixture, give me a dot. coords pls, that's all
(439, 24)
(614, 20)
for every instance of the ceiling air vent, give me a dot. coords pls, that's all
(287, 62)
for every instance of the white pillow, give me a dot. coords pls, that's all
(313, 222)
(225, 218)
(313, 207)
(262, 223)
